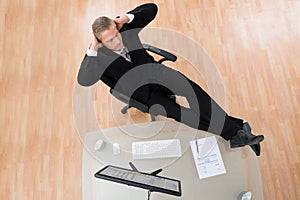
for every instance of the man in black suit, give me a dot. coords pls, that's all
(116, 57)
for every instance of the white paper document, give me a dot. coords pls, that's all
(207, 157)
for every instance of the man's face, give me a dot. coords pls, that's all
(112, 39)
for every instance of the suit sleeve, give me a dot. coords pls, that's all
(94, 68)
(89, 72)
(143, 15)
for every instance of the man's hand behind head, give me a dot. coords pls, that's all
(120, 21)
(95, 45)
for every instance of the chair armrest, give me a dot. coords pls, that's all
(130, 101)
(167, 55)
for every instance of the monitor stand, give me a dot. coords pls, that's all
(152, 173)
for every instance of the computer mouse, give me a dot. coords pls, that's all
(245, 196)
(99, 145)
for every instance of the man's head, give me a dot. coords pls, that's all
(105, 30)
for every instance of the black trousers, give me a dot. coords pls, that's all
(203, 112)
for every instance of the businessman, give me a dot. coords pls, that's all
(117, 58)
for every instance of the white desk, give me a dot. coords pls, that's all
(241, 165)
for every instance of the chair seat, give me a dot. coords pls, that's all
(130, 101)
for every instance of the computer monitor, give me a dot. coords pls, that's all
(147, 181)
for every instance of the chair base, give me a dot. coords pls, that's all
(125, 109)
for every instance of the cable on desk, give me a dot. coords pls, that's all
(149, 193)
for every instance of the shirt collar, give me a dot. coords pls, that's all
(122, 51)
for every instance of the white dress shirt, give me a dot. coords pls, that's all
(124, 53)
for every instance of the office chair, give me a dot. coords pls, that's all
(166, 56)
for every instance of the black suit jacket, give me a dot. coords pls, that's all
(109, 67)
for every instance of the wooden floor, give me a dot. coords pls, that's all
(253, 43)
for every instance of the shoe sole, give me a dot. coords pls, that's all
(256, 148)
(259, 139)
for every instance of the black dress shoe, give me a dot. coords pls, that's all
(247, 127)
(255, 147)
(243, 138)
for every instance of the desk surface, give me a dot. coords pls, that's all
(243, 173)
